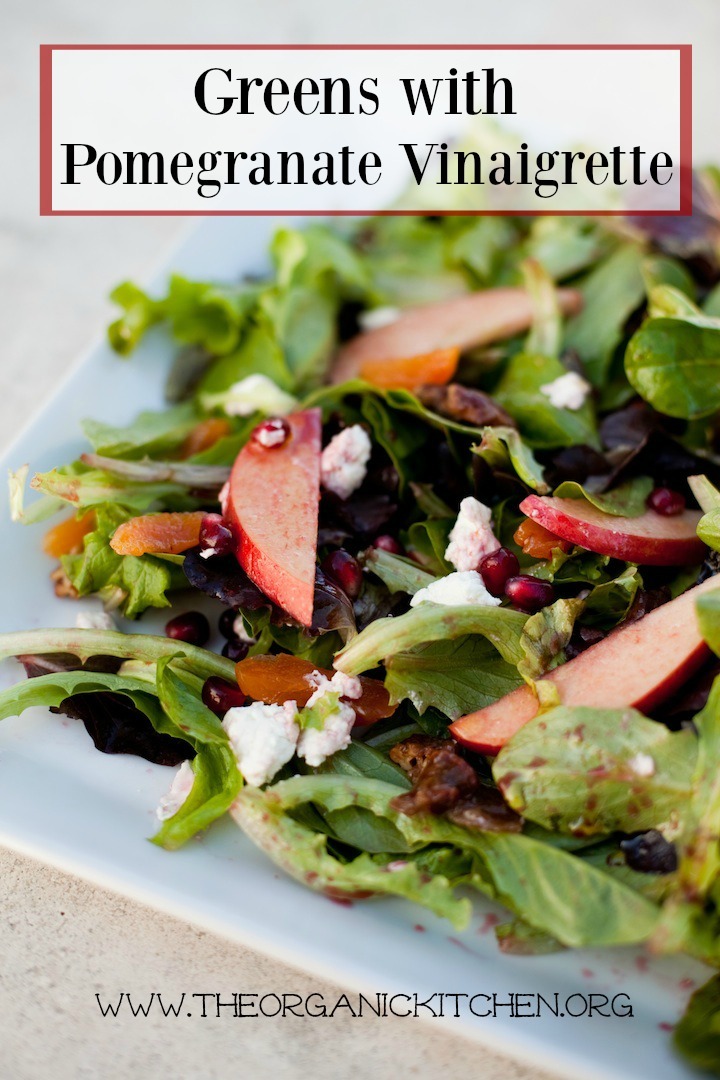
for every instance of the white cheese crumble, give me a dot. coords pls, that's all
(263, 738)
(343, 464)
(87, 619)
(376, 318)
(180, 788)
(642, 765)
(257, 393)
(472, 536)
(456, 590)
(568, 391)
(270, 436)
(317, 744)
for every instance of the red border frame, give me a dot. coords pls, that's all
(685, 166)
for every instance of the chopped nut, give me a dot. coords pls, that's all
(466, 405)
(62, 584)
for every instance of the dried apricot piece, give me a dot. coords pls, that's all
(166, 534)
(66, 538)
(204, 435)
(433, 368)
(537, 541)
(274, 679)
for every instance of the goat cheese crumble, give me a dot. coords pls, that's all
(568, 391)
(376, 318)
(642, 765)
(456, 590)
(87, 619)
(255, 393)
(343, 464)
(263, 738)
(178, 792)
(472, 536)
(318, 743)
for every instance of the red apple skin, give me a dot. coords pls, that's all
(272, 506)
(637, 665)
(463, 322)
(651, 539)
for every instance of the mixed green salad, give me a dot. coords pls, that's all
(450, 489)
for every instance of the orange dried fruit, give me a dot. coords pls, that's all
(537, 541)
(204, 435)
(433, 368)
(166, 534)
(274, 679)
(66, 538)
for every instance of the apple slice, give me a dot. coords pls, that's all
(637, 665)
(462, 323)
(651, 539)
(272, 504)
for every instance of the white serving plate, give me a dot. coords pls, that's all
(90, 814)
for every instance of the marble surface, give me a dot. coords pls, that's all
(61, 940)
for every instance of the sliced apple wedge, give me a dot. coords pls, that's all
(637, 665)
(272, 505)
(461, 323)
(651, 539)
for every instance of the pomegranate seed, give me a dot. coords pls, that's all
(388, 543)
(235, 649)
(216, 535)
(219, 695)
(345, 570)
(192, 628)
(667, 502)
(226, 623)
(496, 568)
(529, 593)
(272, 433)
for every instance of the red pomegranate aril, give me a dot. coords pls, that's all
(226, 623)
(235, 649)
(529, 593)
(216, 535)
(219, 695)
(345, 570)
(271, 433)
(665, 501)
(388, 543)
(497, 568)
(192, 627)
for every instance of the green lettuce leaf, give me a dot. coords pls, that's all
(151, 433)
(140, 313)
(585, 771)
(84, 488)
(454, 676)
(697, 1036)
(502, 447)
(395, 571)
(432, 622)
(628, 499)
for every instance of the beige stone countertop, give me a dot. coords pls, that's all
(61, 939)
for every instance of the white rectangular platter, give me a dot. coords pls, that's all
(90, 814)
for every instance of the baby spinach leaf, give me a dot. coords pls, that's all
(587, 771)
(543, 425)
(674, 364)
(612, 290)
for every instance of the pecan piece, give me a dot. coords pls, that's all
(465, 404)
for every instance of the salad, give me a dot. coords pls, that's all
(450, 490)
